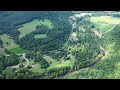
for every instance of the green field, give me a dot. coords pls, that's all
(17, 50)
(37, 68)
(47, 23)
(40, 36)
(31, 26)
(2, 51)
(6, 39)
(54, 64)
(104, 22)
(59, 64)
(12, 47)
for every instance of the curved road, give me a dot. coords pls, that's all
(111, 28)
(73, 26)
(17, 66)
(26, 60)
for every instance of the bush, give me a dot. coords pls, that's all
(29, 67)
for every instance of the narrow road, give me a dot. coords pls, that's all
(17, 66)
(99, 34)
(111, 28)
(73, 26)
(26, 60)
(14, 66)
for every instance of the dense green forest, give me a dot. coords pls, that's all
(59, 44)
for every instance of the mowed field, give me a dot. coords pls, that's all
(31, 26)
(60, 63)
(16, 49)
(105, 23)
(8, 43)
(6, 39)
(40, 36)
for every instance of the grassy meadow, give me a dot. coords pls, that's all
(31, 26)
(105, 23)
(8, 43)
(40, 36)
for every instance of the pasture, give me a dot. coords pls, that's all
(7, 40)
(60, 63)
(9, 44)
(16, 49)
(31, 26)
(104, 23)
(40, 36)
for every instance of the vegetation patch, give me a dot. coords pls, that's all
(37, 68)
(31, 26)
(40, 36)
(7, 40)
(105, 22)
(17, 50)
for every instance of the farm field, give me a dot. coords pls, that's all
(59, 64)
(105, 23)
(31, 26)
(40, 36)
(7, 40)
(8, 43)
(16, 49)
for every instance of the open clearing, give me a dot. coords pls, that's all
(36, 67)
(40, 36)
(31, 26)
(8, 43)
(59, 64)
(105, 22)
(16, 49)
(7, 40)
(54, 64)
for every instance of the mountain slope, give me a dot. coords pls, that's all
(109, 67)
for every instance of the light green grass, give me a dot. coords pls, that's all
(55, 64)
(37, 69)
(2, 51)
(40, 36)
(47, 23)
(105, 22)
(59, 64)
(31, 62)
(17, 50)
(5, 38)
(12, 47)
(31, 26)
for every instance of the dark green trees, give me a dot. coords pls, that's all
(11, 60)
(1, 42)
(38, 58)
